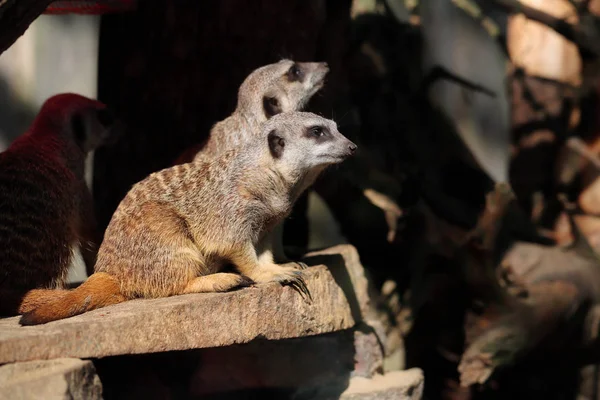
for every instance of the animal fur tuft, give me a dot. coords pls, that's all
(100, 290)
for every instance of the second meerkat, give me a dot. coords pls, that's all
(176, 230)
(269, 90)
(46, 213)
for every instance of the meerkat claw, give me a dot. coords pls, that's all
(299, 285)
(246, 282)
(295, 278)
(295, 264)
(299, 265)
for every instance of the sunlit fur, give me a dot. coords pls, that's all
(175, 231)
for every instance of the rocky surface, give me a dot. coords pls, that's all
(310, 361)
(64, 378)
(270, 311)
(397, 385)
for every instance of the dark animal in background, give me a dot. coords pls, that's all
(46, 212)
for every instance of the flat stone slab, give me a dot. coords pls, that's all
(64, 378)
(292, 363)
(396, 385)
(269, 311)
(393, 385)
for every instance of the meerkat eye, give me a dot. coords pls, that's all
(294, 73)
(317, 131)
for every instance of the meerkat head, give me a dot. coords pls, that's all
(83, 121)
(281, 87)
(301, 143)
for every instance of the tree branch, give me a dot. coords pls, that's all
(584, 35)
(15, 18)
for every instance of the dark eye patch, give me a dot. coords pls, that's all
(295, 73)
(271, 106)
(276, 144)
(318, 132)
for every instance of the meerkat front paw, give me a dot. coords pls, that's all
(284, 274)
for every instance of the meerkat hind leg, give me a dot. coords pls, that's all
(218, 282)
(265, 270)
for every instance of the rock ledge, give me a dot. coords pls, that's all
(339, 301)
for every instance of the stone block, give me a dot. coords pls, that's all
(268, 311)
(397, 385)
(63, 378)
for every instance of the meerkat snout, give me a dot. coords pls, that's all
(352, 147)
(343, 150)
(312, 77)
(316, 73)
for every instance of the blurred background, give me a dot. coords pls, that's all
(473, 201)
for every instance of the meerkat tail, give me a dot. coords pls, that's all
(14, 302)
(99, 290)
(37, 297)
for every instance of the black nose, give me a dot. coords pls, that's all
(352, 147)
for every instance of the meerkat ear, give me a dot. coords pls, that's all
(271, 106)
(276, 144)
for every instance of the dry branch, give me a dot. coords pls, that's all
(557, 281)
(584, 151)
(498, 337)
(585, 34)
(15, 18)
(496, 205)
(543, 287)
(477, 251)
(389, 207)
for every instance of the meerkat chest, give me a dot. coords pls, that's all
(275, 206)
(267, 215)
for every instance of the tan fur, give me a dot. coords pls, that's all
(37, 297)
(273, 82)
(219, 282)
(99, 290)
(176, 230)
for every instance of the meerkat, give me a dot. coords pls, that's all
(46, 213)
(177, 230)
(269, 90)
